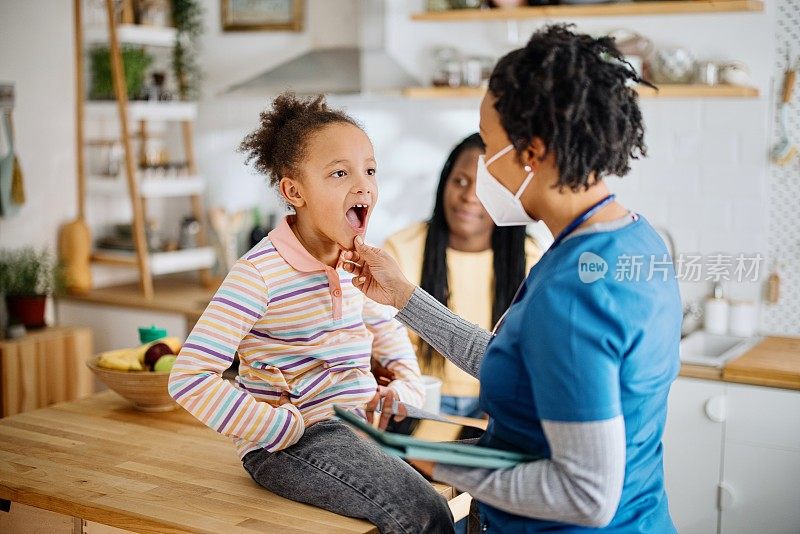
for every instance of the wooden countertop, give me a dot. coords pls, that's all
(775, 362)
(100, 460)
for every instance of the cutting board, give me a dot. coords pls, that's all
(773, 362)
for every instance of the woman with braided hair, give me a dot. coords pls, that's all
(578, 371)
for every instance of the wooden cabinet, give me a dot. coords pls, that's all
(24, 519)
(693, 453)
(732, 458)
(45, 367)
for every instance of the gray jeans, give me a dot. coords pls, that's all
(333, 468)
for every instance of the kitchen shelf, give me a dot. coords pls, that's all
(177, 261)
(126, 114)
(698, 91)
(655, 7)
(148, 187)
(143, 110)
(134, 34)
(664, 91)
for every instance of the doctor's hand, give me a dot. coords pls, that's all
(377, 275)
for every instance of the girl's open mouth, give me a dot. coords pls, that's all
(357, 217)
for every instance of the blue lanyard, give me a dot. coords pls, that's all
(579, 220)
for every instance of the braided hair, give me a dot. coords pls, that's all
(508, 246)
(572, 91)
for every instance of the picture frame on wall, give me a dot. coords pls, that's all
(262, 15)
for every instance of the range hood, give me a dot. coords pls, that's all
(367, 68)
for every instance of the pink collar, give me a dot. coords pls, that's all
(291, 250)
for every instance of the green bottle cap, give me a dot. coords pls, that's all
(151, 333)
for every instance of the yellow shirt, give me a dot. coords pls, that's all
(470, 280)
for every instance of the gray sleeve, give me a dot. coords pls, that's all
(580, 484)
(458, 340)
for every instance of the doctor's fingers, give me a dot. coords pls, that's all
(352, 262)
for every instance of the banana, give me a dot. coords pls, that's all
(139, 351)
(133, 359)
(120, 360)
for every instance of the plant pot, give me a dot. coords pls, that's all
(27, 309)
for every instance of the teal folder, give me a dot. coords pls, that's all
(409, 447)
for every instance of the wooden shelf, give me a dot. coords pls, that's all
(143, 110)
(698, 91)
(107, 257)
(178, 261)
(664, 91)
(134, 34)
(675, 7)
(148, 187)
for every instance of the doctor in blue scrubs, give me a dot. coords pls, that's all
(578, 371)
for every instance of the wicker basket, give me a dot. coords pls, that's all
(147, 390)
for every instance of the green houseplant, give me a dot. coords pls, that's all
(187, 15)
(27, 277)
(135, 63)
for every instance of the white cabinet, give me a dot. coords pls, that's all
(693, 453)
(732, 458)
(761, 467)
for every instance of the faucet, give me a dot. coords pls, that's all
(692, 311)
(692, 315)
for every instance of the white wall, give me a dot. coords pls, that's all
(38, 58)
(705, 179)
(784, 185)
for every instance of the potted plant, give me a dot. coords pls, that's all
(187, 15)
(135, 62)
(27, 278)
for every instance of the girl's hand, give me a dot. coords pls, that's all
(383, 375)
(390, 398)
(377, 275)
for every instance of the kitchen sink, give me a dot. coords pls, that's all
(703, 348)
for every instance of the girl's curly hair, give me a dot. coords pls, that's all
(279, 142)
(571, 90)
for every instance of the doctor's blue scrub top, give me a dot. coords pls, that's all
(593, 334)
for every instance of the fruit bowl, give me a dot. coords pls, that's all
(147, 390)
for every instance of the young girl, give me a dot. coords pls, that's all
(305, 335)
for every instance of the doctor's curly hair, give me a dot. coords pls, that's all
(571, 91)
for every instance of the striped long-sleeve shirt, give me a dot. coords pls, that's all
(299, 326)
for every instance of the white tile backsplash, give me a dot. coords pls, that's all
(705, 179)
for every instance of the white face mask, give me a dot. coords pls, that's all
(504, 208)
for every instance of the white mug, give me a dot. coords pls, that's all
(743, 318)
(433, 393)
